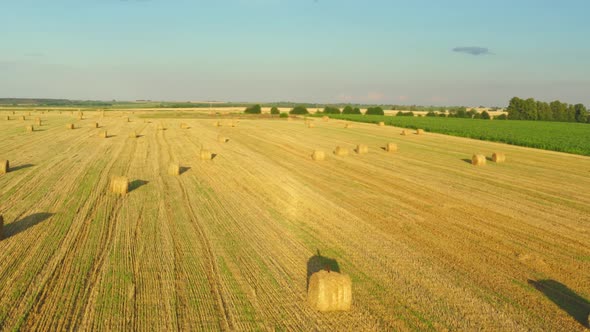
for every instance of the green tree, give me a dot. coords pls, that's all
(284, 115)
(544, 112)
(471, 113)
(580, 112)
(374, 111)
(571, 114)
(431, 113)
(558, 110)
(331, 110)
(501, 117)
(529, 110)
(274, 111)
(356, 110)
(299, 110)
(347, 110)
(254, 109)
(485, 115)
(514, 109)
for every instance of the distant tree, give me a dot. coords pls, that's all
(442, 114)
(331, 110)
(544, 111)
(580, 112)
(501, 117)
(356, 110)
(461, 113)
(274, 111)
(374, 111)
(284, 115)
(472, 113)
(485, 115)
(514, 109)
(431, 113)
(529, 110)
(347, 110)
(254, 109)
(571, 113)
(558, 110)
(299, 110)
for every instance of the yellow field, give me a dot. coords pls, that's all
(430, 241)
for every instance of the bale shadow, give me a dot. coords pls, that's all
(469, 161)
(136, 184)
(139, 136)
(575, 305)
(25, 223)
(19, 167)
(184, 169)
(213, 155)
(384, 148)
(318, 262)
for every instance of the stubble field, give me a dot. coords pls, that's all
(430, 241)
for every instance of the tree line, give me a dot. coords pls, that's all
(531, 109)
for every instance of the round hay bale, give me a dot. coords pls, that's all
(133, 134)
(103, 134)
(94, 125)
(325, 118)
(404, 133)
(478, 160)
(310, 125)
(391, 147)
(161, 127)
(119, 185)
(7, 118)
(38, 122)
(70, 126)
(318, 155)
(174, 169)
(30, 129)
(222, 139)
(23, 118)
(216, 124)
(206, 154)
(361, 149)
(381, 124)
(348, 125)
(126, 119)
(419, 131)
(4, 166)
(329, 291)
(184, 126)
(498, 157)
(340, 151)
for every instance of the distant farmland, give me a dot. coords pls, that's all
(556, 136)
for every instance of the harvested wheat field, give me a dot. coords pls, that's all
(429, 241)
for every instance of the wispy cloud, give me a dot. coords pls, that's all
(473, 50)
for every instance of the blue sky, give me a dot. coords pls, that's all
(404, 52)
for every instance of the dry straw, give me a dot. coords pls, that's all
(119, 185)
(30, 129)
(4, 166)
(174, 168)
(329, 291)
(478, 160)
(103, 134)
(70, 126)
(361, 149)
(391, 147)
(318, 155)
(419, 131)
(381, 124)
(498, 157)
(206, 154)
(340, 151)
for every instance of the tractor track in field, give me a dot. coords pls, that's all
(213, 274)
